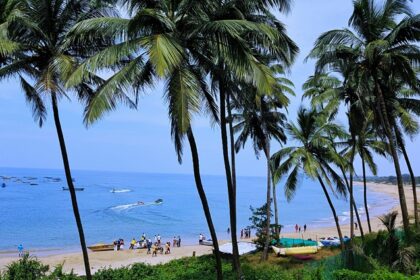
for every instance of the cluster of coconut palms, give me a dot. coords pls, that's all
(227, 59)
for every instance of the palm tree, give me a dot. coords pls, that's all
(279, 46)
(42, 60)
(325, 93)
(314, 156)
(379, 48)
(405, 107)
(258, 118)
(165, 36)
(367, 142)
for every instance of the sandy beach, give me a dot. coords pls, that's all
(73, 261)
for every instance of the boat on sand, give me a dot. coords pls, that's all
(295, 250)
(101, 247)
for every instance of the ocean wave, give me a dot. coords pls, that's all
(120, 190)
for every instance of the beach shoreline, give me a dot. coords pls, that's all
(73, 260)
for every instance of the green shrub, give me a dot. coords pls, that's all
(345, 274)
(26, 268)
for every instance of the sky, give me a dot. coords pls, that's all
(139, 141)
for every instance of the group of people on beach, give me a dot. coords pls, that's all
(152, 247)
(246, 233)
(298, 228)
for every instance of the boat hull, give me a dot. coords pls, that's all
(101, 247)
(295, 250)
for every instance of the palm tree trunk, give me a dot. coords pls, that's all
(70, 185)
(356, 211)
(340, 235)
(276, 213)
(353, 149)
(387, 127)
(412, 177)
(231, 193)
(232, 142)
(264, 256)
(365, 191)
(203, 198)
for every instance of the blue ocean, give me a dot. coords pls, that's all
(36, 211)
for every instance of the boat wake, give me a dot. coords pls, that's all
(125, 207)
(120, 190)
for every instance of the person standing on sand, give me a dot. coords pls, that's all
(304, 228)
(200, 239)
(174, 242)
(158, 239)
(132, 243)
(296, 228)
(20, 250)
(242, 233)
(299, 229)
(179, 241)
(228, 230)
(149, 246)
(355, 225)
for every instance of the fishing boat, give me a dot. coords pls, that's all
(295, 250)
(76, 189)
(101, 247)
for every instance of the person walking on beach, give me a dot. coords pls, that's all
(158, 239)
(304, 228)
(20, 250)
(179, 241)
(299, 229)
(149, 246)
(154, 250)
(132, 243)
(174, 242)
(296, 228)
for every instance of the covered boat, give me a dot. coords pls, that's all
(243, 248)
(295, 250)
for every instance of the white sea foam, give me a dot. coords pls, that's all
(125, 207)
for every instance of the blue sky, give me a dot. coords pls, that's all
(139, 141)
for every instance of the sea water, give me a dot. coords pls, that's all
(35, 210)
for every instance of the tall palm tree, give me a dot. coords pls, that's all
(381, 49)
(43, 59)
(279, 46)
(313, 155)
(258, 117)
(405, 107)
(368, 143)
(165, 36)
(325, 93)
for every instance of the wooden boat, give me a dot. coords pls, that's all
(101, 247)
(295, 250)
(76, 189)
